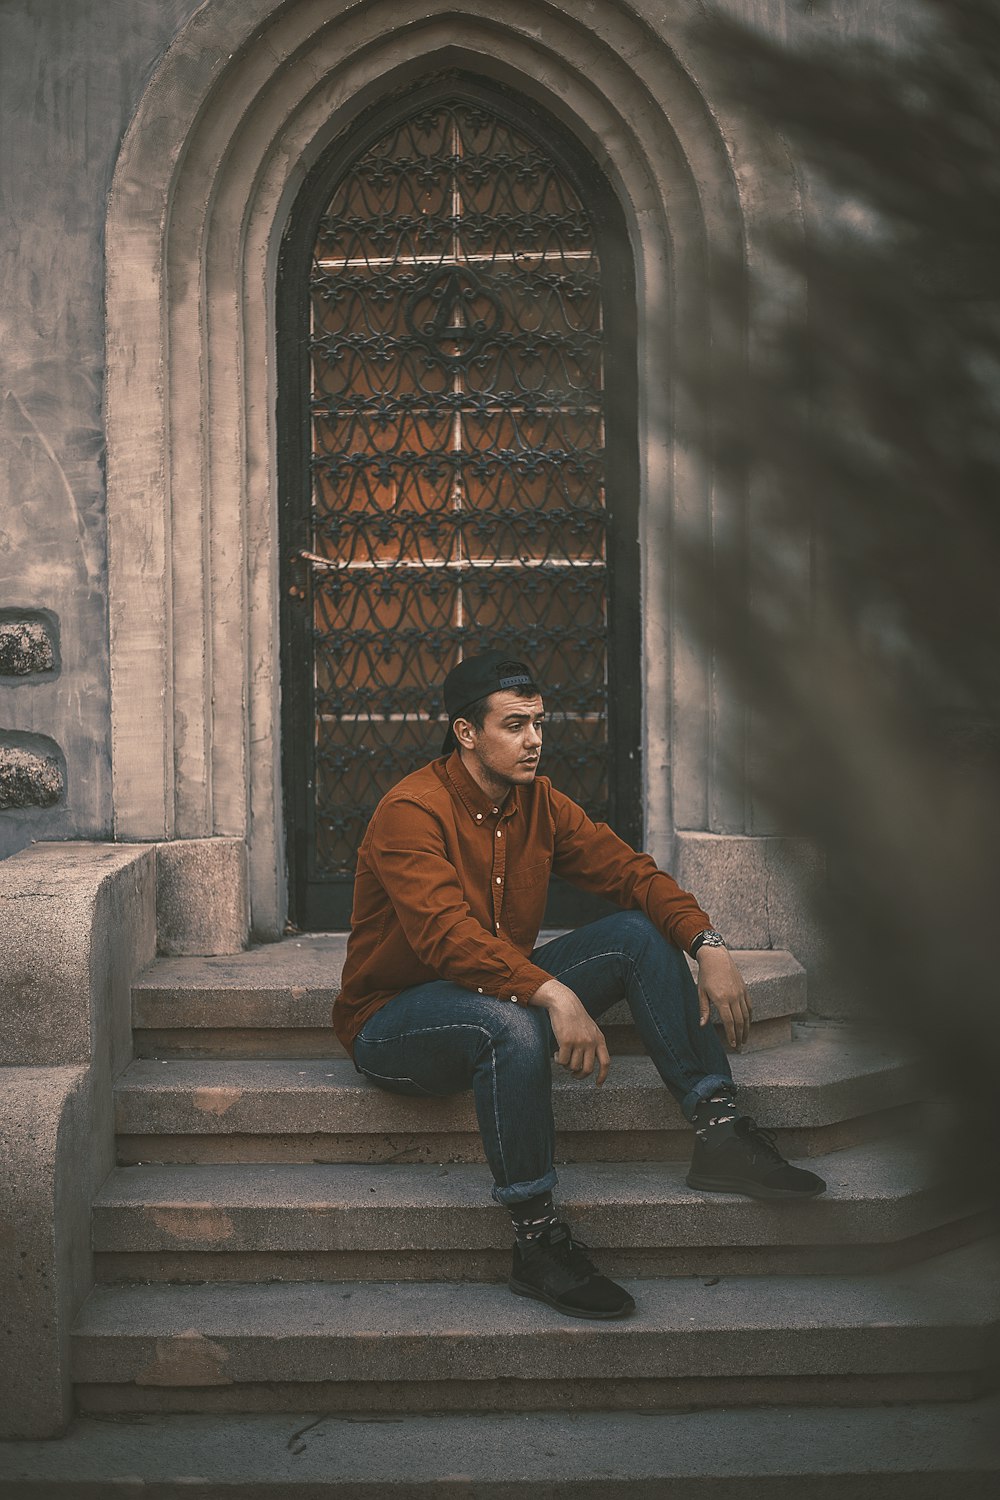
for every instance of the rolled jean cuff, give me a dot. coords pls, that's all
(715, 1083)
(518, 1192)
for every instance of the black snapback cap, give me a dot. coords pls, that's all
(477, 677)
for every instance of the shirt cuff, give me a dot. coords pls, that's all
(523, 983)
(685, 932)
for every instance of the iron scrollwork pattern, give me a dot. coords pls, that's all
(458, 465)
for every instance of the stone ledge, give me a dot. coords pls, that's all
(755, 887)
(761, 891)
(76, 923)
(65, 909)
(293, 984)
(202, 896)
(43, 1218)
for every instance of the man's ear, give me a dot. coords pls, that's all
(464, 732)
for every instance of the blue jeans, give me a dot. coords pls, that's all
(437, 1039)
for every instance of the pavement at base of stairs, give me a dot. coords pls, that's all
(883, 1453)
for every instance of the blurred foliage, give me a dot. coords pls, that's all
(868, 434)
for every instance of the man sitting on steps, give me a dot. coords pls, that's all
(444, 989)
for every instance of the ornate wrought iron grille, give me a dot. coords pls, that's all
(458, 468)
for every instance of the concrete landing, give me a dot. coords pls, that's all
(276, 999)
(302, 975)
(823, 1076)
(917, 1452)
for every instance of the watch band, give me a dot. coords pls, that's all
(709, 938)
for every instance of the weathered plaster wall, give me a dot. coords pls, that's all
(71, 75)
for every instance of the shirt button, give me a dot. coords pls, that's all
(499, 833)
(494, 809)
(479, 817)
(498, 927)
(514, 998)
(499, 880)
(479, 989)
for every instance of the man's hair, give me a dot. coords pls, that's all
(476, 712)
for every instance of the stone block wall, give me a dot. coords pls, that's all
(77, 921)
(66, 98)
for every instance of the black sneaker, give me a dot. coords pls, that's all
(555, 1270)
(746, 1160)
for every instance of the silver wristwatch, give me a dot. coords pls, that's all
(707, 939)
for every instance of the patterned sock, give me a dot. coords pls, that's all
(718, 1110)
(532, 1218)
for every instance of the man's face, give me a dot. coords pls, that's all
(507, 747)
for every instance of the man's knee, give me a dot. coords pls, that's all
(638, 938)
(633, 931)
(520, 1034)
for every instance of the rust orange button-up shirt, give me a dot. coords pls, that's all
(451, 885)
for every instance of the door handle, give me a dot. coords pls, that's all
(303, 563)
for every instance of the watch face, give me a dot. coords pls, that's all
(710, 939)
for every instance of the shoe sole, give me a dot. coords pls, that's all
(750, 1190)
(523, 1290)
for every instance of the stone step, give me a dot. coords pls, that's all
(275, 1001)
(826, 1088)
(917, 1452)
(253, 1223)
(925, 1332)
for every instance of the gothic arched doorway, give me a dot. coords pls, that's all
(457, 419)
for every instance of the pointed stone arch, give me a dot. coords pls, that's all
(249, 95)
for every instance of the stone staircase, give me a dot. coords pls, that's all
(282, 1237)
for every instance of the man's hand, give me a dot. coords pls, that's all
(581, 1040)
(721, 983)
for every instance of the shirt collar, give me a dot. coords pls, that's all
(476, 802)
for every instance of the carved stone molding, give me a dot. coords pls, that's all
(249, 96)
